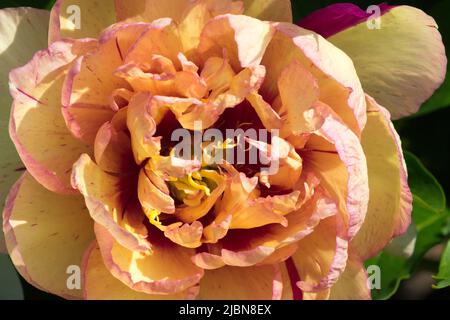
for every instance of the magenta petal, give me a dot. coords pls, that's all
(338, 17)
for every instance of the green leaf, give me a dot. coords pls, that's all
(424, 185)
(429, 216)
(10, 287)
(443, 277)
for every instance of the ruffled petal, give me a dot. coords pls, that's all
(167, 269)
(46, 233)
(390, 201)
(338, 81)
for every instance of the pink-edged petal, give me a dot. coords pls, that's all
(90, 85)
(15, 51)
(390, 68)
(167, 269)
(390, 204)
(112, 202)
(37, 127)
(322, 256)
(46, 234)
(78, 19)
(338, 160)
(353, 283)
(338, 81)
(100, 284)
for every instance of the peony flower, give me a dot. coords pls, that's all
(93, 120)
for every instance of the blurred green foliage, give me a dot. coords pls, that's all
(425, 134)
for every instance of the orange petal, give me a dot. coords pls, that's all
(142, 127)
(37, 127)
(166, 270)
(187, 235)
(46, 233)
(153, 197)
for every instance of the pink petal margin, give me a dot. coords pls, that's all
(11, 241)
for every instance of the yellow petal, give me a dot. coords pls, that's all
(166, 270)
(269, 10)
(390, 68)
(100, 284)
(80, 18)
(46, 233)
(390, 201)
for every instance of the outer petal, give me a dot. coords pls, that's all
(352, 284)
(23, 32)
(37, 127)
(234, 283)
(166, 270)
(46, 233)
(390, 204)
(338, 81)
(78, 19)
(269, 10)
(112, 202)
(100, 284)
(390, 68)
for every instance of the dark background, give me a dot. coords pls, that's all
(426, 135)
